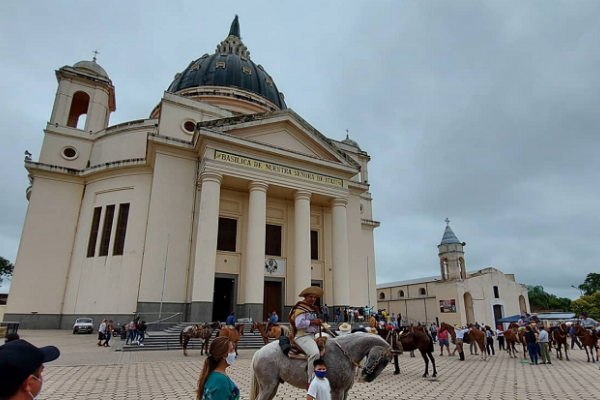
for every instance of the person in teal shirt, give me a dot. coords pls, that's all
(213, 383)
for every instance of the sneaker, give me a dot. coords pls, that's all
(141, 344)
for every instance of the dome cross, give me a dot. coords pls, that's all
(96, 52)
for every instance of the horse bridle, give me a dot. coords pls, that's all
(375, 364)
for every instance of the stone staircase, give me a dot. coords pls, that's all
(169, 339)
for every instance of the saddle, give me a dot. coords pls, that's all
(289, 347)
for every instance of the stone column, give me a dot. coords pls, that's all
(254, 279)
(341, 280)
(206, 248)
(302, 264)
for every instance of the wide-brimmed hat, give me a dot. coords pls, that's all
(345, 327)
(317, 291)
(325, 325)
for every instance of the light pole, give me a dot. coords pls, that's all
(580, 291)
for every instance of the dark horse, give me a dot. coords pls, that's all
(203, 332)
(559, 337)
(416, 339)
(587, 339)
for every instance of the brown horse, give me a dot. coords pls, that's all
(474, 335)
(587, 340)
(204, 333)
(512, 338)
(233, 335)
(416, 339)
(559, 337)
(275, 332)
(520, 335)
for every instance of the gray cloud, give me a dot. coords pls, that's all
(486, 113)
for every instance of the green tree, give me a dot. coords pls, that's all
(588, 304)
(591, 284)
(6, 268)
(560, 303)
(538, 298)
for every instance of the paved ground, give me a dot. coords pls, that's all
(85, 371)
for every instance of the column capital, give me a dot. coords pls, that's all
(259, 186)
(339, 202)
(302, 195)
(210, 176)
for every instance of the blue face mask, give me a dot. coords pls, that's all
(321, 374)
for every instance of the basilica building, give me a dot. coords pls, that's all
(222, 200)
(455, 296)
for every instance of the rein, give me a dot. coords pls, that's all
(367, 370)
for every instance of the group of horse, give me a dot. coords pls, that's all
(344, 353)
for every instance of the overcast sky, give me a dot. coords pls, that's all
(487, 113)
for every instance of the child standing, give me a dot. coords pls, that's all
(319, 388)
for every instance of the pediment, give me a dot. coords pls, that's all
(286, 131)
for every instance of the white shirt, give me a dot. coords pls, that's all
(102, 327)
(499, 332)
(319, 389)
(460, 334)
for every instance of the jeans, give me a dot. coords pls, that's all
(490, 346)
(130, 336)
(326, 317)
(575, 341)
(108, 336)
(141, 337)
(533, 349)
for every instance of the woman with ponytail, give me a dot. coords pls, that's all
(214, 384)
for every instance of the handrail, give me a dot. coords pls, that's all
(163, 319)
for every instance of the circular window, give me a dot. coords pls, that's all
(69, 153)
(189, 126)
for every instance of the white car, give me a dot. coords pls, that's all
(83, 325)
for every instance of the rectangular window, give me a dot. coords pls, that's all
(314, 245)
(227, 235)
(119, 245)
(106, 230)
(496, 292)
(94, 232)
(273, 241)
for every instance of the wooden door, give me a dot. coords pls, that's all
(272, 300)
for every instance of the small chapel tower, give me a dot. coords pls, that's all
(85, 97)
(452, 261)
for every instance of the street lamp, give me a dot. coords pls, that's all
(580, 291)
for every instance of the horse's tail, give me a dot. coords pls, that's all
(254, 387)
(181, 338)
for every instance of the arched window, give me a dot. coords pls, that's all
(496, 292)
(400, 293)
(381, 296)
(422, 292)
(79, 107)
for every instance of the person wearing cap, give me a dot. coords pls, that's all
(21, 369)
(304, 324)
(589, 323)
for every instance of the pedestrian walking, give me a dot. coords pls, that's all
(142, 332)
(433, 331)
(325, 311)
(109, 332)
(543, 339)
(131, 332)
(489, 334)
(102, 332)
(574, 340)
(500, 335)
(213, 383)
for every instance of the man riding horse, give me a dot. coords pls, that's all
(304, 324)
(589, 324)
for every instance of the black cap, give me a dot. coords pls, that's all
(19, 359)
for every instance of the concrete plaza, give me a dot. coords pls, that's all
(85, 371)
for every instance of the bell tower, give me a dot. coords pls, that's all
(85, 97)
(452, 255)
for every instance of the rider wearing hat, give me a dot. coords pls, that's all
(588, 323)
(304, 324)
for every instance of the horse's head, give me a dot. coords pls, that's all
(377, 359)
(215, 325)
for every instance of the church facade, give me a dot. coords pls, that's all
(223, 199)
(455, 296)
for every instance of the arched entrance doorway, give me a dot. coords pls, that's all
(469, 310)
(522, 305)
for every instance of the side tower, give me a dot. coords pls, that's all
(452, 255)
(85, 97)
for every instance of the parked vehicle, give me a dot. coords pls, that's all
(83, 325)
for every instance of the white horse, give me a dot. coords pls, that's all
(270, 366)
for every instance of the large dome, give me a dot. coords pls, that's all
(230, 66)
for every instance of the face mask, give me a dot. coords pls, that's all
(230, 359)
(41, 382)
(321, 374)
